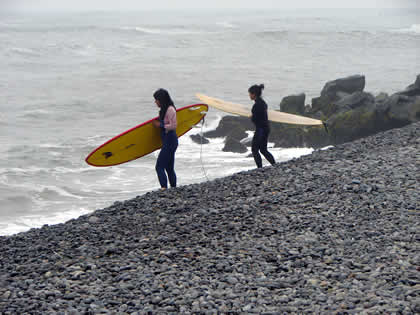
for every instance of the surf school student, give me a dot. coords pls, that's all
(262, 127)
(167, 123)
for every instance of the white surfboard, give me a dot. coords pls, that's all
(242, 110)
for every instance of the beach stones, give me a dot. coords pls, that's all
(330, 232)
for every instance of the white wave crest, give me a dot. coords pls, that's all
(35, 113)
(82, 50)
(55, 192)
(24, 51)
(130, 46)
(160, 31)
(413, 29)
(226, 24)
(21, 171)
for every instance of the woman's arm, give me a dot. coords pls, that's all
(170, 119)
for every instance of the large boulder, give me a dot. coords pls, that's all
(407, 109)
(335, 90)
(352, 124)
(234, 126)
(413, 89)
(399, 108)
(233, 145)
(355, 100)
(292, 136)
(349, 85)
(199, 139)
(293, 104)
(372, 115)
(354, 118)
(404, 107)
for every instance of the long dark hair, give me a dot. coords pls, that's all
(256, 89)
(165, 101)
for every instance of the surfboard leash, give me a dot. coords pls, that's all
(201, 150)
(325, 126)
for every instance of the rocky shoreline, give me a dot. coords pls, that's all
(336, 231)
(349, 112)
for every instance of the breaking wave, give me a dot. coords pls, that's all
(160, 31)
(413, 29)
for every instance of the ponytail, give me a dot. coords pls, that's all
(256, 89)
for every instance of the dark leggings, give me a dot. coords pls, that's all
(259, 143)
(166, 160)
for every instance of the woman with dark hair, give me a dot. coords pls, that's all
(167, 123)
(262, 127)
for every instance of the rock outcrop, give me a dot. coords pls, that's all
(413, 89)
(335, 90)
(349, 112)
(233, 145)
(293, 104)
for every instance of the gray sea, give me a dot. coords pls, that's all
(71, 81)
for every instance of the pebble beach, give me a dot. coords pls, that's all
(336, 232)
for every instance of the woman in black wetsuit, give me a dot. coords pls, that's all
(262, 127)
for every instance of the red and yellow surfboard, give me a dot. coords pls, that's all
(143, 139)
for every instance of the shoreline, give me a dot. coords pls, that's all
(334, 231)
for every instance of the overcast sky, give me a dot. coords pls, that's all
(184, 4)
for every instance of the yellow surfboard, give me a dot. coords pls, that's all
(273, 115)
(143, 139)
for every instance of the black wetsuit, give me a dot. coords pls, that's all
(262, 130)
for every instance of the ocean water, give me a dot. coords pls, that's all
(69, 82)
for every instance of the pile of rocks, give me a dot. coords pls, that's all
(349, 112)
(335, 231)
